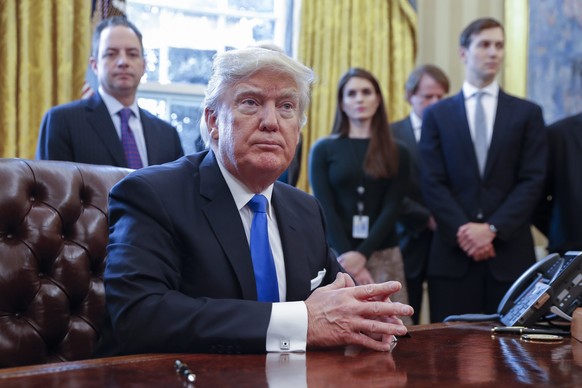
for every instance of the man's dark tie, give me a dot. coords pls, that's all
(263, 263)
(480, 132)
(128, 141)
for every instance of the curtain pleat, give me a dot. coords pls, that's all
(377, 35)
(44, 51)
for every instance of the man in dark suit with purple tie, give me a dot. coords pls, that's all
(93, 130)
(425, 85)
(183, 274)
(483, 158)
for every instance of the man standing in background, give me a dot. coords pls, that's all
(426, 85)
(483, 158)
(109, 127)
(561, 211)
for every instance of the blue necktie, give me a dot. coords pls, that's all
(480, 133)
(263, 263)
(128, 141)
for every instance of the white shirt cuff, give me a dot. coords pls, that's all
(287, 331)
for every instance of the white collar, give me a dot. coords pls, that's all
(240, 193)
(114, 106)
(415, 120)
(469, 90)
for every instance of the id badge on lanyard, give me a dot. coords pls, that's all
(360, 222)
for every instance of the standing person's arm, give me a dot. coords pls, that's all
(519, 204)
(54, 142)
(414, 216)
(391, 205)
(543, 213)
(319, 178)
(435, 180)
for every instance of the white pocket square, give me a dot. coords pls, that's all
(316, 281)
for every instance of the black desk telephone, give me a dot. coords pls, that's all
(552, 281)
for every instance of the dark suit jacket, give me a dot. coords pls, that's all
(82, 131)
(179, 275)
(560, 216)
(413, 234)
(505, 197)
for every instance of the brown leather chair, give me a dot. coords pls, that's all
(53, 238)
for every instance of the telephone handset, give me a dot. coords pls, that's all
(552, 281)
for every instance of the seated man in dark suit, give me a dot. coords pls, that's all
(109, 127)
(183, 271)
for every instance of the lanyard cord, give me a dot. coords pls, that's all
(361, 189)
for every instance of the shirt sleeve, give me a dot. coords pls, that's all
(287, 331)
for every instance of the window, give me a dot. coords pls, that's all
(180, 39)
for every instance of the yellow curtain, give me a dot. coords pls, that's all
(44, 50)
(377, 35)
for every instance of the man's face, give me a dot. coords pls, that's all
(484, 56)
(428, 92)
(257, 128)
(119, 64)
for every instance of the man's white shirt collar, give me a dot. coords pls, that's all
(416, 123)
(241, 194)
(415, 120)
(469, 90)
(114, 106)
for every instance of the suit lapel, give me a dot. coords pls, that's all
(500, 129)
(576, 130)
(459, 122)
(150, 138)
(410, 140)
(289, 224)
(100, 121)
(224, 219)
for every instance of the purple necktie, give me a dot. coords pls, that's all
(128, 141)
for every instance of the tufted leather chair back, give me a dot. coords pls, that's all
(53, 238)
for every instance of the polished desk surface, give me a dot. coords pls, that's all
(443, 355)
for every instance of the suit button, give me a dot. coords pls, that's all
(480, 215)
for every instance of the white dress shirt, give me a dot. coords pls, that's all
(416, 125)
(287, 329)
(489, 101)
(114, 106)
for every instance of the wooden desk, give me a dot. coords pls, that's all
(439, 355)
